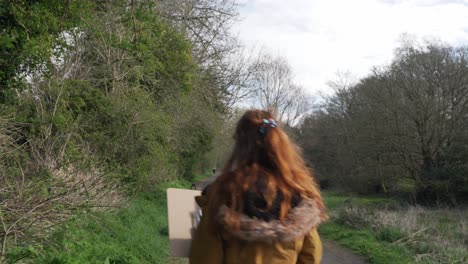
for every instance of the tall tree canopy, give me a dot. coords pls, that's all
(401, 129)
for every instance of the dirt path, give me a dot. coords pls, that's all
(336, 254)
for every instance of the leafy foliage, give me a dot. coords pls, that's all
(102, 98)
(402, 129)
(31, 31)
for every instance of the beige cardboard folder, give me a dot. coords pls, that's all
(184, 215)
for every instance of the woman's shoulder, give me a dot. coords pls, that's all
(299, 222)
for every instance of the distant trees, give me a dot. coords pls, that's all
(403, 128)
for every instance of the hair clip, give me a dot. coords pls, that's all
(273, 123)
(267, 123)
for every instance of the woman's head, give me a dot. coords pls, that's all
(263, 152)
(253, 133)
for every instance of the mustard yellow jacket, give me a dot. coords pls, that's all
(294, 240)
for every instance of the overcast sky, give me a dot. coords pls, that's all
(321, 37)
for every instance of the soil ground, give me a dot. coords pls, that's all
(336, 254)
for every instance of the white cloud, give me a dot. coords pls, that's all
(321, 37)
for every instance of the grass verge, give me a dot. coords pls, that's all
(136, 234)
(385, 231)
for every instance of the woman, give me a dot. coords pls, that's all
(265, 206)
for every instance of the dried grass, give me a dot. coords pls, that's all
(434, 235)
(32, 205)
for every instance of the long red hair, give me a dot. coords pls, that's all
(271, 157)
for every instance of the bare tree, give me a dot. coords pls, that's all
(427, 94)
(273, 88)
(235, 75)
(401, 128)
(207, 24)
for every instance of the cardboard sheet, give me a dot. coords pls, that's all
(184, 215)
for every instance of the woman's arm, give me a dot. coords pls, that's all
(311, 252)
(207, 245)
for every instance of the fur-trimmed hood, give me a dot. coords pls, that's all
(299, 221)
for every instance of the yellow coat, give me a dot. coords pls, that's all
(295, 240)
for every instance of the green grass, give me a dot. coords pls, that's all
(138, 233)
(334, 200)
(366, 243)
(201, 177)
(385, 230)
(135, 234)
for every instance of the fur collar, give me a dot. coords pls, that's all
(300, 220)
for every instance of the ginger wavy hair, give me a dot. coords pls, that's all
(271, 157)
